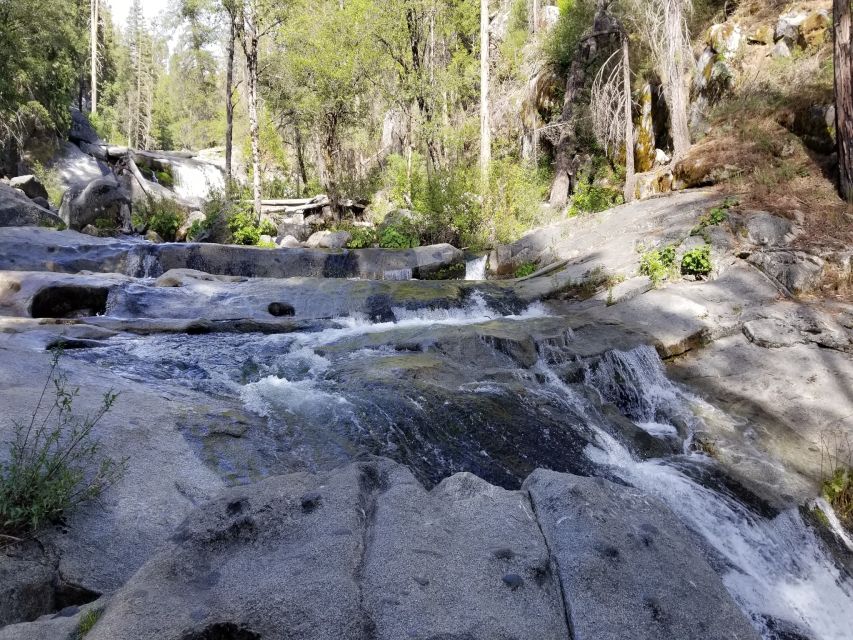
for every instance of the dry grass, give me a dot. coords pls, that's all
(750, 132)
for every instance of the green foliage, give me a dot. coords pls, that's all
(697, 262)
(51, 181)
(54, 461)
(163, 215)
(562, 42)
(524, 270)
(268, 228)
(837, 471)
(244, 228)
(361, 237)
(401, 236)
(512, 46)
(87, 622)
(591, 198)
(715, 216)
(165, 178)
(657, 263)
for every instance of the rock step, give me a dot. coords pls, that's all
(367, 552)
(34, 249)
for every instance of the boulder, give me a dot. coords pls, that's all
(761, 35)
(26, 589)
(725, 39)
(629, 568)
(30, 185)
(329, 239)
(781, 50)
(288, 242)
(153, 236)
(764, 229)
(16, 210)
(81, 129)
(192, 218)
(788, 27)
(796, 271)
(101, 200)
(815, 29)
(75, 167)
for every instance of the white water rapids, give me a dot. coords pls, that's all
(194, 179)
(776, 568)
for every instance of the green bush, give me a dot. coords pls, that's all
(54, 462)
(244, 228)
(524, 270)
(592, 198)
(657, 263)
(361, 237)
(165, 218)
(697, 262)
(268, 228)
(398, 237)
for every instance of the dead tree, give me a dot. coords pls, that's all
(662, 24)
(843, 39)
(611, 108)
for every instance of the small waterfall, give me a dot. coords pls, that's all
(194, 179)
(777, 569)
(397, 274)
(476, 269)
(141, 263)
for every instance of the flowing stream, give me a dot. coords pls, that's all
(327, 395)
(194, 179)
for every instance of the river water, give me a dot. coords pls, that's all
(431, 391)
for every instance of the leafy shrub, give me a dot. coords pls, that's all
(697, 262)
(244, 228)
(51, 181)
(268, 228)
(54, 462)
(361, 238)
(524, 270)
(657, 263)
(398, 237)
(592, 198)
(715, 216)
(166, 217)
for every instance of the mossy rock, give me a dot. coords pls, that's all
(454, 271)
(761, 35)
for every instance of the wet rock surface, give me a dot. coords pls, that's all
(367, 552)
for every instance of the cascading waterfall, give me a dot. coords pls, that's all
(194, 179)
(476, 269)
(776, 568)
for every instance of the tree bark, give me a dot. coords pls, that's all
(843, 54)
(629, 121)
(94, 47)
(300, 160)
(485, 124)
(229, 99)
(564, 169)
(675, 82)
(250, 49)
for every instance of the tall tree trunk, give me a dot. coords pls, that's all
(229, 100)
(564, 169)
(843, 38)
(250, 49)
(485, 124)
(534, 16)
(300, 160)
(94, 51)
(675, 80)
(629, 121)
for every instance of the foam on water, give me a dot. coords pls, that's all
(194, 179)
(777, 568)
(476, 269)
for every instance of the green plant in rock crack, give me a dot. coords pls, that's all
(657, 263)
(54, 462)
(715, 216)
(697, 262)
